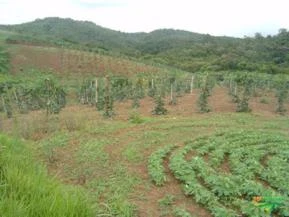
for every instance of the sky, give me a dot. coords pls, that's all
(215, 17)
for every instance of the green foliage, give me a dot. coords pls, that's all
(54, 96)
(244, 82)
(26, 190)
(108, 99)
(179, 212)
(155, 165)
(282, 85)
(159, 106)
(181, 49)
(87, 94)
(167, 200)
(31, 93)
(135, 118)
(205, 92)
(4, 61)
(214, 188)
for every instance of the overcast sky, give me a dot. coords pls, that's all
(215, 17)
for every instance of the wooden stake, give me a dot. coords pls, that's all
(192, 84)
(96, 91)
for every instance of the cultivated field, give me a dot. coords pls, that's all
(139, 140)
(207, 164)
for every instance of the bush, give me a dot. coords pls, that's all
(159, 106)
(135, 118)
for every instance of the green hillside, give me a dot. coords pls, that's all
(177, 48)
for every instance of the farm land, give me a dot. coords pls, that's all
(144, 140)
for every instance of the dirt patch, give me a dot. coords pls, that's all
(225, 166)
(148, 203)
(65, 160)
(190, 155)
(220, 101)
(74, 62)
(206, 157)
(263, 182)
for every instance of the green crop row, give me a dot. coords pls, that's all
(156, 165)
(230, 193)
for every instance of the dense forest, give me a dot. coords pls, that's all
(182, 49)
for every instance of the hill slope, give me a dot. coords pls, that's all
(182, 49)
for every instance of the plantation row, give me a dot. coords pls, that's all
(24, 95)
(76, 62)
(102, 92)
(258, 170)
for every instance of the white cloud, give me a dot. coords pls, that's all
(217, 17)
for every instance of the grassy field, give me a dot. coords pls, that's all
(109, 158)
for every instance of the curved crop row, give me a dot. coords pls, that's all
(155, 165)
(258, 166)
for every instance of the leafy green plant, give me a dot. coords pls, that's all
(167, 200)
(135, 118)
(245, 150)
(205, 92)
(159, 106)
(108, 99)
(4, 61)
(155, 165)
(244, 82)
(282, 86)
(179, 212)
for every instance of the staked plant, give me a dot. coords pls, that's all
(243, 92)
(159, 108)
(281, 86)
(205, 92)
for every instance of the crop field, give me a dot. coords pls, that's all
(143, 141)
(225, 171)
(176, 165)
(73, 62)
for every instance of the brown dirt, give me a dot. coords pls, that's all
(148, 204)
(206, 157)
(75, 62)
(65, 157)
(225, 166)
(190, 155)
(220, 101)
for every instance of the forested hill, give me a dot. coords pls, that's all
(182, 49)
(90, 34)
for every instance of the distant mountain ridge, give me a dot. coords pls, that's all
(86, 32)
(178, 48)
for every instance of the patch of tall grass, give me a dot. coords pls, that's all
(26, 190)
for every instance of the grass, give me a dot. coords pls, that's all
(112, 155)
(26, 190)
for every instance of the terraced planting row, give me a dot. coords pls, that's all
(241, 173)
